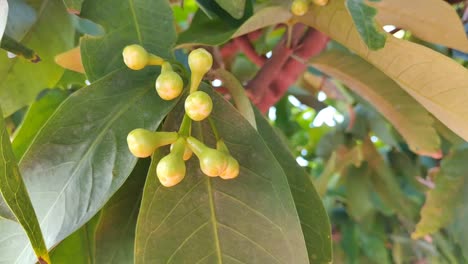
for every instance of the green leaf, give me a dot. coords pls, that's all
(455, 164)
(5, 211)
(80, 157)
(243, 9)
(16, 196)
(408, 117)
(78, 246)
(314, 220)
(447, 198)
(434, 80)
(385, 183)
(373, 243)
(364, 19)
(438, 210)
(234, 7)
(457, 228)
(209, 220)
(38, 113)
(3, 16)
(73, 6)
(204, 30)
(109, 236)
(22, 80)
(145, 22)
(115, 233)
(358, 191)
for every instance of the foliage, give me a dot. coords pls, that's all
(383, 181)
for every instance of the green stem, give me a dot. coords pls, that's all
(213, 127)
(155, 60)
(166, 67)
(185, 127)
(195, 80)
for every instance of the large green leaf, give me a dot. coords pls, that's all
(145, 22)
(204, 30)
(35, 118)
(109, 236)
(3, 16)
(409, 118)
(251, 219)
(115, 233)
(21, 79)
(364, 19)
(434, 80)
(16, 195)
(313, 217)
(101, 239)
(80, 157)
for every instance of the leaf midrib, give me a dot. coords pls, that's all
(135, 21)
(214, 220)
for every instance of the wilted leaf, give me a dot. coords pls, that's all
(16, 196)
(21, 79)
(209, 220)
(435, 81)
(147, 22)
(80, 157)
(431, 20)
(313, 217)
(364, 19)
(408, 117)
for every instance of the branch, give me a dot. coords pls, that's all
(243, 43)
(310, 45)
